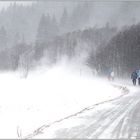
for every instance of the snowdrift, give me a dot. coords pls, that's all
(47, 95)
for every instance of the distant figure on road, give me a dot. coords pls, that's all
(134, 77)
(112, 75)
(138, 76)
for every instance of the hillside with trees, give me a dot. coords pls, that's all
(30, 34)
(122, 53)
(80, 43)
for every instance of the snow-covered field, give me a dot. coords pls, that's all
(47, 95)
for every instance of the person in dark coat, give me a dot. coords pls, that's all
(138, 76)
(134, 77)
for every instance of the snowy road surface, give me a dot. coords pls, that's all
(45, 96)
(114, 119)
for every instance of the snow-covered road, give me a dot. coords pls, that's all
(47, 95)
(61, 97)
(119, 118)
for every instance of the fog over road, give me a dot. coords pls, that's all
(119, 118)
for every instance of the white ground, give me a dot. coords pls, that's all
(113, 119)
(47, 95)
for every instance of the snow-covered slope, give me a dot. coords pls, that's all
(47, 95)
(113, 119)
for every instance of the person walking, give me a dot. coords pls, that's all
(134, 77)
(112, 74)
(138, 76)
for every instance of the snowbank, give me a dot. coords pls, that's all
(47, 95)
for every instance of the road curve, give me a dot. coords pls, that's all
(114, 119)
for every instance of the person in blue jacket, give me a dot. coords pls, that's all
(138, 76)
(134, 77)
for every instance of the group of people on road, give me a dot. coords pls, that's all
(134, 76)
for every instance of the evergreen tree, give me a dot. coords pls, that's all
(55, 29)
(47, 29)
(80, 15)
(64, 21)
(3, 38)
(42, 30)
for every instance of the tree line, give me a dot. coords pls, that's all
(122, 53)
(104, 47)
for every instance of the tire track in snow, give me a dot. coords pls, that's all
(134, 125)
(102, 120)
(114, 124)
(119, 114)
(40, 130)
